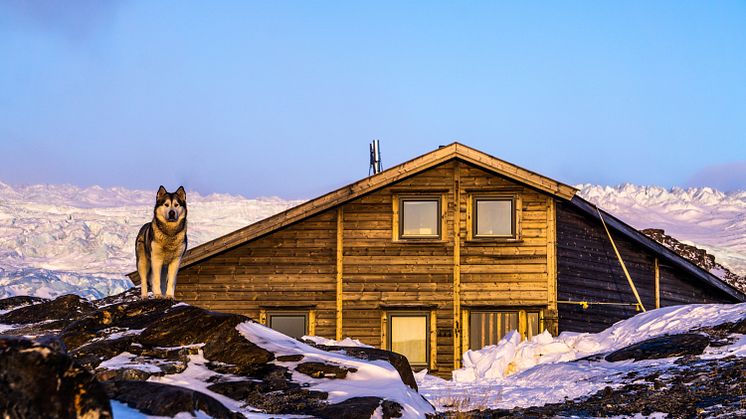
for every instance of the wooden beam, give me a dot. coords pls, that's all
(340, 270)
(384, 330)
(311, 322)
(552, 262)
(457, 266)
(657, 284)
(433, 340)
(465, 325)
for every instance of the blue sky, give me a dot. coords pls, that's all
(282, 98)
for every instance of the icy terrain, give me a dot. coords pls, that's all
(57, 239)
(548, 369)
(703, 217)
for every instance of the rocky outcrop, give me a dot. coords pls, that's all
(697, 256)
(166, 400)
(39, 380)
(662, 347)
(134, 347)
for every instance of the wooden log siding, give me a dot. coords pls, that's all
(292, 267)
(379, 271)
(588, 270)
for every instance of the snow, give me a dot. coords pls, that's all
(372, 377)
(702, 217)
(548, 369)
(197, 377)
(318, 340)
(126, 360)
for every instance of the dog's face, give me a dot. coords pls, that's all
(170, 207)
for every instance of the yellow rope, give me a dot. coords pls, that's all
(621, 262)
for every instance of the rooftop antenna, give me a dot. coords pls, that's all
(375, 158)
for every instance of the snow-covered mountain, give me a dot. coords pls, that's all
(56, 239)
(703, 217)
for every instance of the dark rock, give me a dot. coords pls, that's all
(290, 358)
(134, 315)
(123, 374)
(67, 307)
(293, 400)
(130, 296)
(739, 327)
(186, 325)
(662, 347)
(398, 361)
(11, 303)
(353, 408)
(41, 381)
(94, 353)
(321, 370)
(391, 409)
(166, 400)
(37, 329)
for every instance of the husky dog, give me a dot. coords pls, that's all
(162, 242)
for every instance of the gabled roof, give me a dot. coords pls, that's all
(373, 183)
(653, 246)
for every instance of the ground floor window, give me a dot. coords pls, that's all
(408, 335)
(487, 327)
(291, 323)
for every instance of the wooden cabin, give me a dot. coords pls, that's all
(441, 254)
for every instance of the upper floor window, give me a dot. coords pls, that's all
(419, 217)
(494, 217)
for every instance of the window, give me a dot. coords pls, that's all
(419, 217)
(487, 327)
(408, 335)
(291, 323)
(494, 217)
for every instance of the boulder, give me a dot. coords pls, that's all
(12, 303)
(662, 347)
(134, 315)
(166, 400)
(398, 361)
(360, 407)
(321, 370)
(39, 380)
(187, 325)
(65, 308)
(290, 400)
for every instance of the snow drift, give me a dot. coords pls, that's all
(548, 369)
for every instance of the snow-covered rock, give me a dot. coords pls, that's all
(548, 369)
(161, 357)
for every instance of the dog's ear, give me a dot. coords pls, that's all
(161, 192)
(181, 193)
